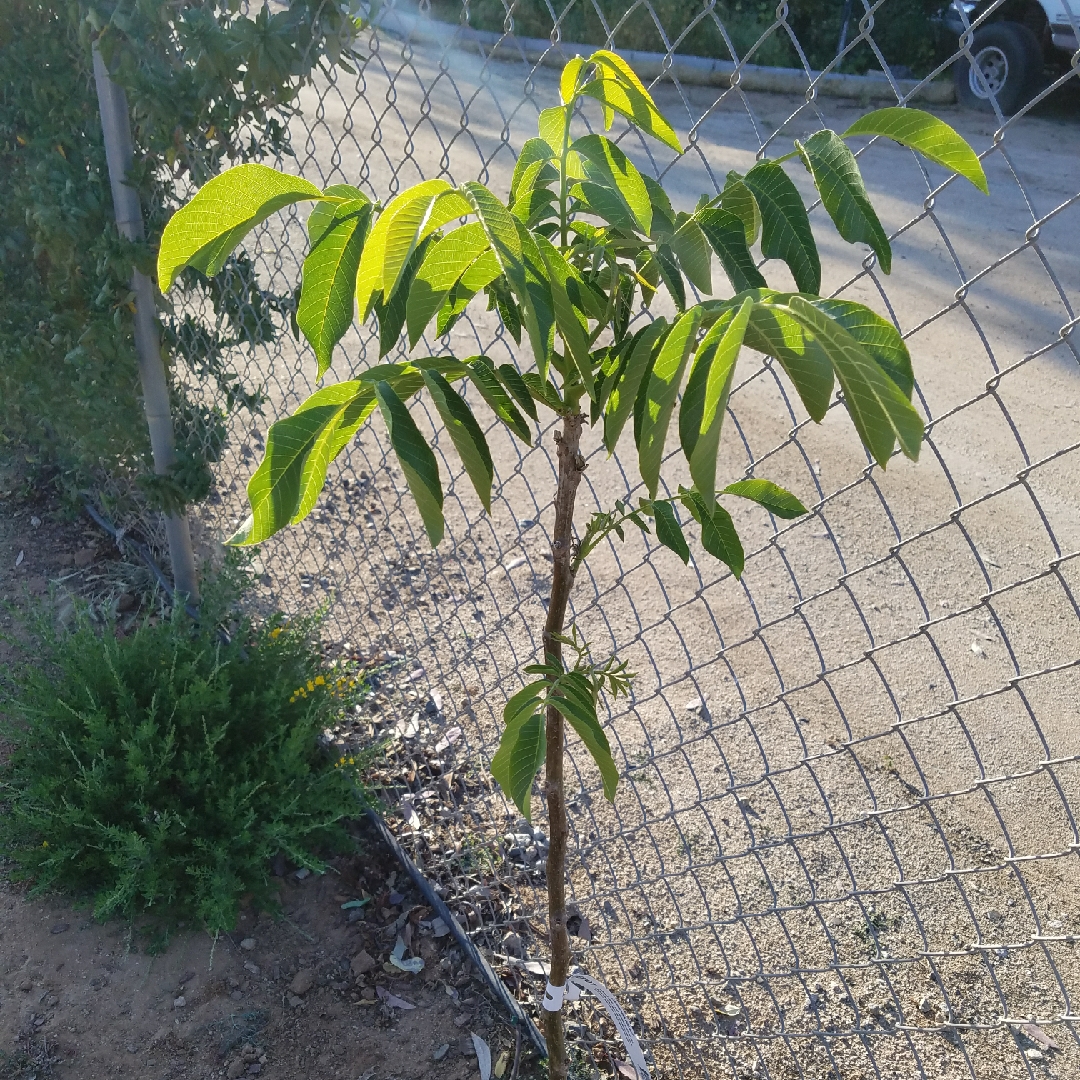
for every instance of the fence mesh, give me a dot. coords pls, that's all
(845, 842)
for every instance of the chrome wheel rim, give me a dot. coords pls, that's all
(993, 67)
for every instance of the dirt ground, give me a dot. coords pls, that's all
(289, 997)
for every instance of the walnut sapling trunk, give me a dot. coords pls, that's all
(571, 258)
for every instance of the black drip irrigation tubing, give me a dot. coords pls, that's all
(519, 1018)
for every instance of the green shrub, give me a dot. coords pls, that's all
(165, 771)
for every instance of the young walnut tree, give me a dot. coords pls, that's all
(581, 241)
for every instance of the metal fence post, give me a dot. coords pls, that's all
(115, 122)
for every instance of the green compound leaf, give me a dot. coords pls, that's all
(692, 251)
(329, 278)
(624, 393)
(566, 317)
(775, 499)
(880, 411)
(519, 390)
(391, 310)
(931, 137)
(669, 531)
(413, 206)
(465, 433)
(444, 264)
(843, 193)
(416, 458)
(483, 377)
(739, 200)
(718, 535)
(299, 448)
(522, 746)
(607, 165)
(533, 168)
(876, 335)
(618, 89)
(726, 233)
(324, 214)
(785, 226)
(520, 259)
(573, 696)
(660, 395)
(203, 233)
(701, 415)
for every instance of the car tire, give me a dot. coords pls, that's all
(1011, 61)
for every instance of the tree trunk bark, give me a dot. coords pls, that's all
(571, 466)
(116, 125)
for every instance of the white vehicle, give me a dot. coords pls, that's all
(1012, 49)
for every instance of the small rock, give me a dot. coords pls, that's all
(525, 523)
(248, 944)
(294, 1001)
(356, 915)
(180, 1002)
(235, 1069)
(35, 521)
(512, 945)
(994, 916)
(131, 1048)
(84, 557)
(1032, 1054)
(125, 601)
(368, 993)
(302, 873)
(250, 968)
(362, 963)
(254, 1069)
(926, 1006)
(302, 981)
(441, 1052)
(60, 928)
(694, 705)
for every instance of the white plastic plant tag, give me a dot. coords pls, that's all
(554, 996)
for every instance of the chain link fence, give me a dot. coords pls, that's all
(845, 843)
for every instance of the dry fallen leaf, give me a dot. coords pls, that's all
(452, 735)
(1036, 1034)
(392, 999)
(412, 819)
(500, 1065)
(625, 1069)
(483, 1055)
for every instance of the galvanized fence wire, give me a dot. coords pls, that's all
(845, 842)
